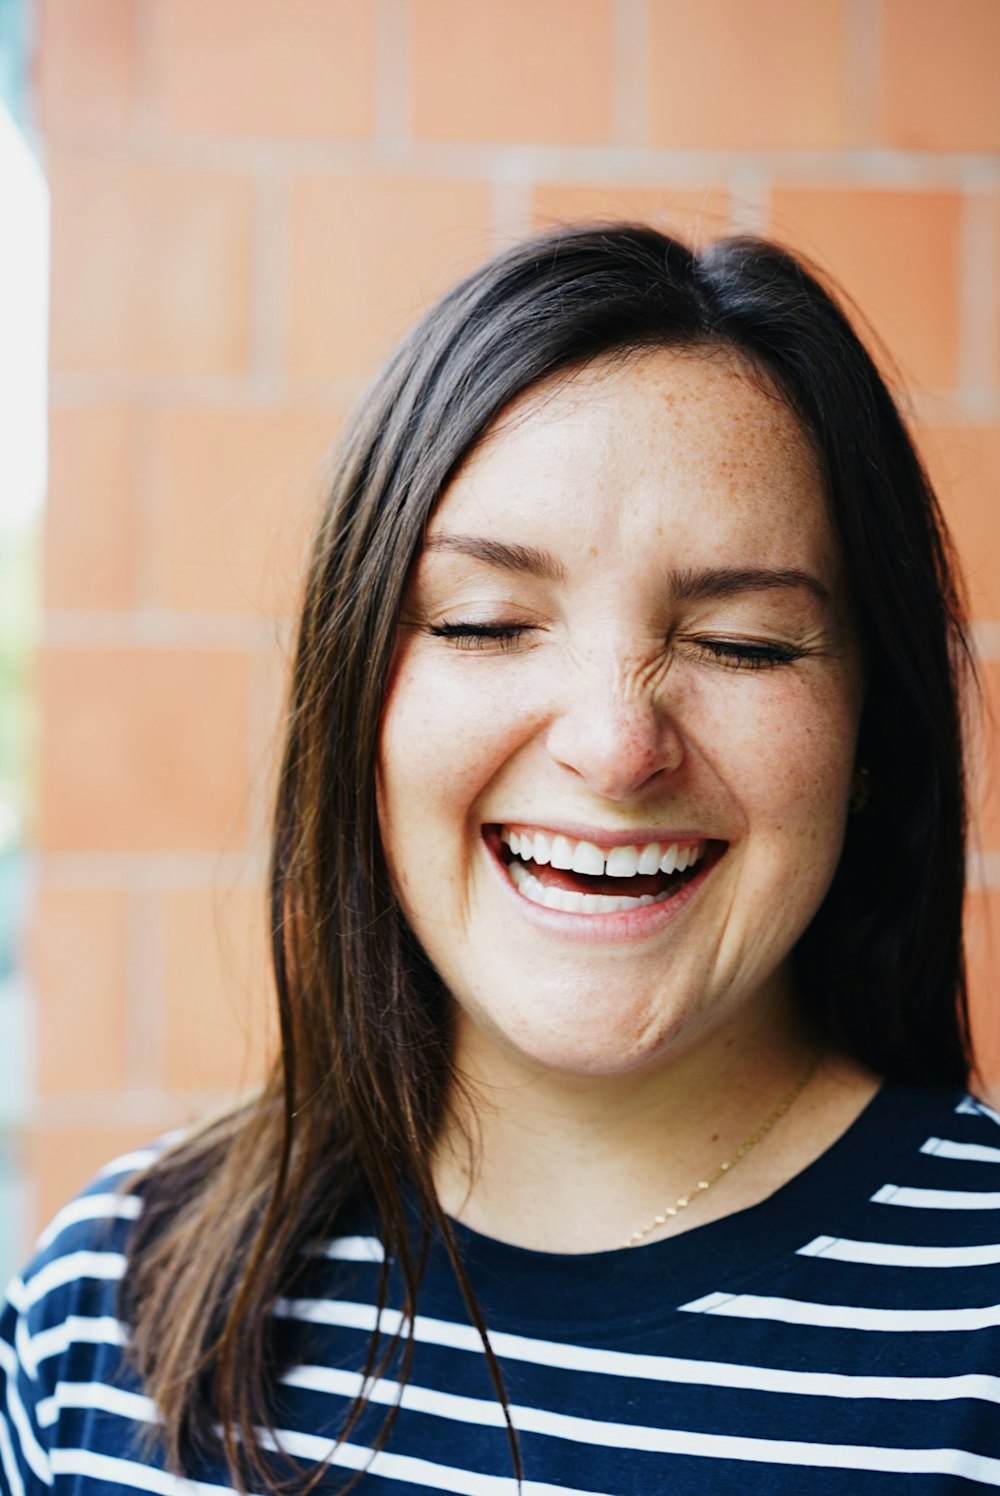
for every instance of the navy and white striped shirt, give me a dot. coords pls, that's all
(842, 1337)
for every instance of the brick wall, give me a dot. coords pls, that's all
(250, 199)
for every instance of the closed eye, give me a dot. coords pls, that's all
(480, 635)
(746, 655)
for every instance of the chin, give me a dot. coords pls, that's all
(590, 1040)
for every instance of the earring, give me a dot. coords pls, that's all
(860, 791)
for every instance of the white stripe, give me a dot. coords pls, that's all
(641, 1367)
(416, 1471)
(919, 1199)
(141, 1158)
(129, 1163)
(103, 1265)
(625, 1436)
(115, 1472)
(78, 1329)
(96, 1395)
(34, 1455)
(91, 1208)
(351, 1249)
(22, 1346)
(843, 1316)
(977, 1153)
(970, 1106)
(16, 1296)
(8, 1460)
(955, 1462)
(891, 1254)
(579, 1430)
(488, 1413)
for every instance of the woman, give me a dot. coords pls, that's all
(616, 896)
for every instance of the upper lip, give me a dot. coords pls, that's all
(603, 837)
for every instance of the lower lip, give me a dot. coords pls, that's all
(624, 924)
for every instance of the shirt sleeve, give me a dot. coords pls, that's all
(25, 1466)
(60, 1337)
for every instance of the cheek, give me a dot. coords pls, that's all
(445, 735)
(785, 750)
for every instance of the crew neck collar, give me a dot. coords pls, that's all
(525, 1289)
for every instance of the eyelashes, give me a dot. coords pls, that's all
(731, 654)
(749, 656)
(480, 635)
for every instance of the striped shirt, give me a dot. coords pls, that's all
(842, 1337)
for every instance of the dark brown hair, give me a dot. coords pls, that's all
(351, 1114)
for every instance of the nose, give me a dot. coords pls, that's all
(618, 737)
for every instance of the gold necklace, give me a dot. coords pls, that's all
(683, 1201)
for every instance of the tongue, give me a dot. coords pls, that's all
(642, 883)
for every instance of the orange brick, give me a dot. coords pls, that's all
(964, 464)
(219, 1028)
(517, 71)
(143, 749)
(273, 68)
(723, 73)
(982, 937)
(694, 215)
(86, 76)
(89, 522)
(151, 269)
(238, 501)
(61, 1160)
(78, 963)
(938, 88)
(896, 254)
(368, 255)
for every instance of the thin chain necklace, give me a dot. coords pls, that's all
(683, 1201)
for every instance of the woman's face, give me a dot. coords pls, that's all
(619, 735)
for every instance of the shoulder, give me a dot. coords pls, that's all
(937, 1169)
(969, 1126)
(86, 1242)
(59, 1321)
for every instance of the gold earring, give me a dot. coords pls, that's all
(860, 791)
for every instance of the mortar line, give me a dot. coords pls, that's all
(511, 209)
(392, 150)
(147, 117)
(862, 67)
(979, 291)
(749, 201)
(145, 990)
(271, 283)
(393, 89)
(630, 94)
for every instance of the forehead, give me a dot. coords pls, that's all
(687, 445)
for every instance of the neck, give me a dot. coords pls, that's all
(569, 1163)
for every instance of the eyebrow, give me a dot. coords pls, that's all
(685, 584)
(726, 581)
(527, 558)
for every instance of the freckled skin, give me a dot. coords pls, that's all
(609, 711)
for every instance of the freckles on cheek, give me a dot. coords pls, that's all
(811, 774)
(445, 735)
(785, 744)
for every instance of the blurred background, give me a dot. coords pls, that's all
(215, 218)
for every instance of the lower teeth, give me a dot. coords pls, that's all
(571, 902)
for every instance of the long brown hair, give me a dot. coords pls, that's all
(354, 1107)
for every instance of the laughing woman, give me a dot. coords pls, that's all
(620, 1141)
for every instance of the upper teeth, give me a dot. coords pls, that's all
(614, 862)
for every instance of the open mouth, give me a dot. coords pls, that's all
(580, 877)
